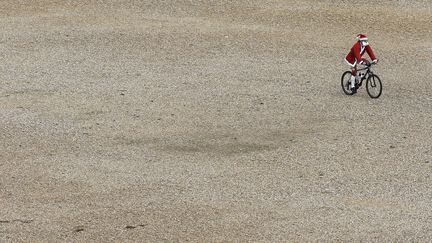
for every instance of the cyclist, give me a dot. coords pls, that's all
(354, 57)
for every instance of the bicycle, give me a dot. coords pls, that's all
(373, 82)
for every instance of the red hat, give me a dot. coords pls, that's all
(361, 37)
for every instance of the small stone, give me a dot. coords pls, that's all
(392, 147)
(79, 228)
(327, 191)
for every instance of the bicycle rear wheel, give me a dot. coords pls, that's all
(346, 83)
(374, 86)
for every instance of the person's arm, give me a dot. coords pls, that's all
(371, 54)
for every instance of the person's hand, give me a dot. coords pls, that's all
(364, 62)
(375, 61)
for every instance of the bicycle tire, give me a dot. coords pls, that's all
(346, 83)
(374, 86)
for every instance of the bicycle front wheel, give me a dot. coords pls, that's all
(374, 86)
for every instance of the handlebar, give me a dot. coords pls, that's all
(368, 65)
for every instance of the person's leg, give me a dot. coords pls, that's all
(353, 75)
(354, 71)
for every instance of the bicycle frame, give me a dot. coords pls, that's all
(369, 71)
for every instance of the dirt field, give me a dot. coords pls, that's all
(213, 121)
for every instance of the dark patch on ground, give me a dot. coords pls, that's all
(23, 221)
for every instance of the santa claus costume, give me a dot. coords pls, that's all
(354, 57)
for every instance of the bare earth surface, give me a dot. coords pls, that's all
(213, 121)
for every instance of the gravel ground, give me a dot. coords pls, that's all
(213, 121)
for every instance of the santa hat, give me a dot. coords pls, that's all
(361, 37)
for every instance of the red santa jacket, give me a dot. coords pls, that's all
(356, 53)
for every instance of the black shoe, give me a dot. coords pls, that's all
(353, 90)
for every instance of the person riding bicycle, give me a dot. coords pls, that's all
(354, 57)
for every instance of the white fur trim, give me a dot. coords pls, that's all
(351, 65)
